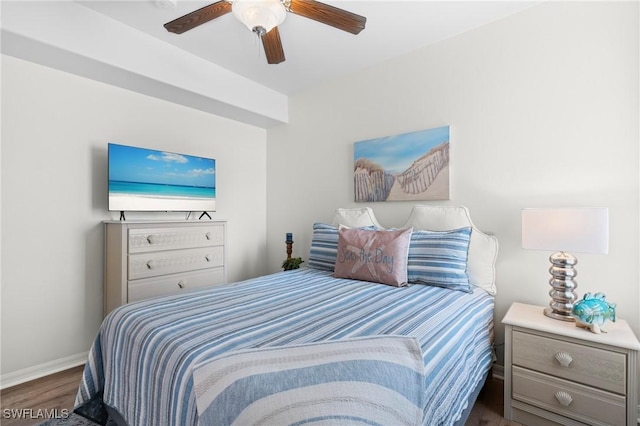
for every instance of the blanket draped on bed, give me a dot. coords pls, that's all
(144, 357)
(375, 380)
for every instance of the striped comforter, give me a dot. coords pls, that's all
(364, 380)
(144, 356)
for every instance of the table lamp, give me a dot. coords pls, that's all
(581, 230)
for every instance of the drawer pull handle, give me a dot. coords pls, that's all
(564, 359)
(151, 239)
(181, 284)
(564, 398)
(208, 258)
(150, 264)
(208, 235)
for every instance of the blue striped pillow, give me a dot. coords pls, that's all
(324, 247)
(439, 258)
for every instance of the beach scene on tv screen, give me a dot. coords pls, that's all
(146, 179)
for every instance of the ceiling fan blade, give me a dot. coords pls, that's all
(273, 46)
(198, 17)
(329, 15)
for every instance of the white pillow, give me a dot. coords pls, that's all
(483, 248)
(355, 218)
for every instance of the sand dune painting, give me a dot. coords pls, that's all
(405, 167)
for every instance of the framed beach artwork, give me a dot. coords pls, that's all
(406, 167)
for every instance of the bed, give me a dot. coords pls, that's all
(313, 344)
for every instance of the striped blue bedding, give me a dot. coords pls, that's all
(143, 359)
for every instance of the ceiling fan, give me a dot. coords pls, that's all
(263, 17)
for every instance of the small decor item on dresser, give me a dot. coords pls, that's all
(592, 311)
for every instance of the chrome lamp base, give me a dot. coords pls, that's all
(563, 286)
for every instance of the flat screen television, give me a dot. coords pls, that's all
(142, 179)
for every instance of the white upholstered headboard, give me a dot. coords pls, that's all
(483, 248)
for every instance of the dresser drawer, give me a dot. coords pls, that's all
(153, 264)
(162, 286)
(581, 403)
(169, 238)
(584, 364)
(149, 258)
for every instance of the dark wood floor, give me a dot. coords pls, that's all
(58, 391)
(489, 406)
(54, 392)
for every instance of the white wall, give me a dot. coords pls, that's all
(543, 109)
(55, 129)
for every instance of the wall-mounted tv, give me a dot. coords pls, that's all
(142, 179)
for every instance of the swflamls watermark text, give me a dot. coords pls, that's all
(35, 413)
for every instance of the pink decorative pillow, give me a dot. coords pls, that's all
(377, 256)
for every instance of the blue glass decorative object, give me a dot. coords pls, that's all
(592, 312)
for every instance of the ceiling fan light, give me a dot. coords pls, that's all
(259, 14)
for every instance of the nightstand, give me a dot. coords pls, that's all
(557, 373)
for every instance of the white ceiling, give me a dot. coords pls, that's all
(314, 52)
(219, 67)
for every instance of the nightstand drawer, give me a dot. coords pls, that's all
(592, 366)
(569, 399)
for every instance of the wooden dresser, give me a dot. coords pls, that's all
(146, 259)
(557, 373)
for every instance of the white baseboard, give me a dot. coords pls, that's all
(41, 370)
(498, 371)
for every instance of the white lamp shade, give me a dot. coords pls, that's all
(259, 13)
(580, 230)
